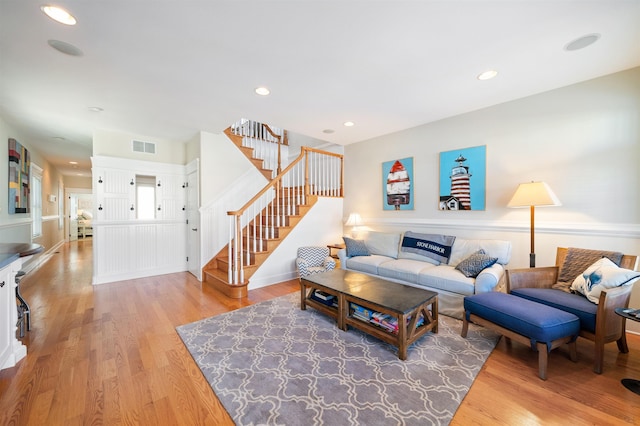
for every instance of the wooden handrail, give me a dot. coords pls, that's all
(267, 187)
(303, 153)
(271, 132)
(279, 139)
(279, 199)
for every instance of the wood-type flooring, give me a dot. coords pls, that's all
(109, 355)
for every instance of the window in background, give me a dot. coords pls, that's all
(146, 196)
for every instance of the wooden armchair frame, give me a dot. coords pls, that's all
(610, 327)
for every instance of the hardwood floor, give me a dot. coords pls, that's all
(109, 354)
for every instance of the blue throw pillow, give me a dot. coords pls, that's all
(434, 246)
(355, 247)
(474, 264)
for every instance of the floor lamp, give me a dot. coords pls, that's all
(533, 194)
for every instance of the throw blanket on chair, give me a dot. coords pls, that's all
(578, 260)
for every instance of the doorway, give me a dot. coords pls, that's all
(78, 213)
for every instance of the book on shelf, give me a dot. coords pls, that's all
(324, 296)
(329, 302)
(358, 316)
(385, 321)
(361, 311)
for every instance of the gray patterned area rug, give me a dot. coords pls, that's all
(273, 363)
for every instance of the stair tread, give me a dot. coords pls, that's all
(221, 260)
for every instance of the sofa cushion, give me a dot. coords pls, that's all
(495, 248)
(578, 260)
(366, 264)
(474, 264)
(573, 303)
(434, 246)
(403, 269)
(418, 257)
(447, 278)
(383, 243)
(538, 322)
(355, 247)
(603, 274)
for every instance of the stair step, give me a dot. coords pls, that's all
(216, 272)
(218, 280)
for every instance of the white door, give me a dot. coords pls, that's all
(73, 218)
(193, 225)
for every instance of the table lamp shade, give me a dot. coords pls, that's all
(355, 221)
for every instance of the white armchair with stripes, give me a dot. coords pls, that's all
(314, 259)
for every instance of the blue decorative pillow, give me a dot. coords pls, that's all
(434, 246)
(474, 264)
(355, 247)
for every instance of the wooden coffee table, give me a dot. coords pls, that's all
(404, 303)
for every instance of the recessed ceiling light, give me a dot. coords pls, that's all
(262, 91)
(487, 75)
(582, 42)
(73, 162)
(66, 48)
(58, 14)
(328, 131)
(349, 123)
(95, 109)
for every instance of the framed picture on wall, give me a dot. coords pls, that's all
(463, 178)
(397, 184)
(19, 167)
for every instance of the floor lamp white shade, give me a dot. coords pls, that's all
(532, 195)
(355, 221)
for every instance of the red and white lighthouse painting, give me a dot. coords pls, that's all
(397, 183)
(462, 179)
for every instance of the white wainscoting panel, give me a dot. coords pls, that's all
(145, 243)
(131, 250)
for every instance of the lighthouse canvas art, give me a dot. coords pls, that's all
(463, 179)
(397, 184)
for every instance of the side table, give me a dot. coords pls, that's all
(332, 247)
(632, 384)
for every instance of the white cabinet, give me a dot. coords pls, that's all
(170, 197)
(128, 242)
(115, 194)
(11, 349)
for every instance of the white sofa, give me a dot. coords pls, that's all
(389, 259)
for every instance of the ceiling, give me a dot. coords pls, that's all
(169, 69)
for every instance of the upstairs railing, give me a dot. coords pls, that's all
(313, 173)
(266, 141)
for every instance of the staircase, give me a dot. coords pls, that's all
(259, 227)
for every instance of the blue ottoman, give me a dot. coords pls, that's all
(542, 327)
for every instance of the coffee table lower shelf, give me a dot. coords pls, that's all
(408, 331)
(407, 319)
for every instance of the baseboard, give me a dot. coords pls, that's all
(37, 261)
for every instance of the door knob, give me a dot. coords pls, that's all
(194, 229)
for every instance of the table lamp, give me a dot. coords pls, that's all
(356, 222)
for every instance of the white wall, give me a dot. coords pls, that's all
(17, 227)
(583, 140)
(118, 144)
(221, 164)
(320, 227)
